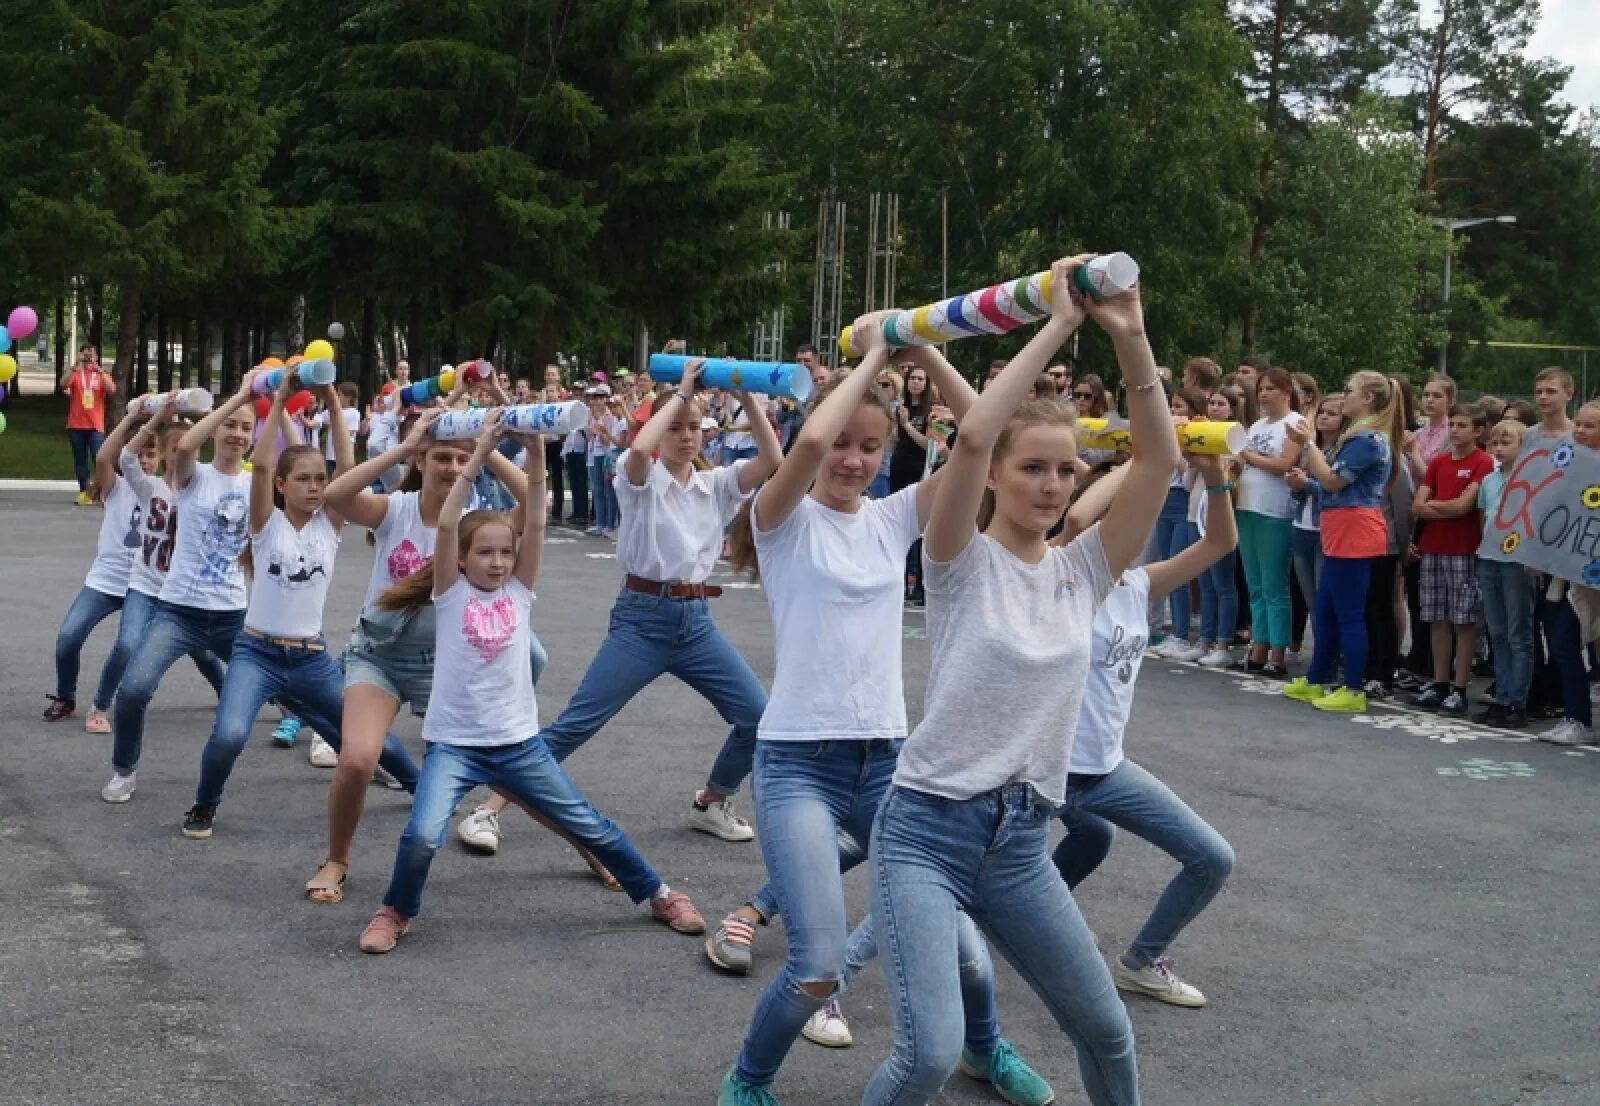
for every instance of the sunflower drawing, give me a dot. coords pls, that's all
(1591, 574)
(1562, 457)
(1591, 497)
(1509, 545)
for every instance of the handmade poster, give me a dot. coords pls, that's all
(1549, 513)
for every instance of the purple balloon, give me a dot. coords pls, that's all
(23, 322)
(2, 393)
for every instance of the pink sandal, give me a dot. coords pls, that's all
(97, 722)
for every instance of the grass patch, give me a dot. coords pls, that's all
(34, 445)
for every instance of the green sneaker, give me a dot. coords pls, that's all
(1010, 1075)
(1343, 701)
(736, 1092)
(1297, 688)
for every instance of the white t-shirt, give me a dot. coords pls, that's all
(213, 527)
(743, 439)
(1121, 630)
(352, 422)
(1009, 645)
(158, 526)
(482, 682)
(119, 540)
(671, 532)
(292, 571)
(835, 584)
(1266, 493)
(404, 545)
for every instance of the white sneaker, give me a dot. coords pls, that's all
(1158, 980)
(828, 1028)
(1565, 732)
(120, 789)
(1293, 656)
(382, 778)
(719, 820)
(321, 754)
(1217, 658)
(480, 831)
(1180, 650)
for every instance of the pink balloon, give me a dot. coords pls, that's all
(23, 322)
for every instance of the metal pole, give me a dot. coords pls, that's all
(1444, 346)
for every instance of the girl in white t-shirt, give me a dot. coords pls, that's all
(203, 598)
(106, 585)
(832, 563)
(1266, 526)
(1106, 790)
(965, 827)
(389, 661)
(483, 707)
(280, 653)
(674, 512)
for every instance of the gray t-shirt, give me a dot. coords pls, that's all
(1009, 645)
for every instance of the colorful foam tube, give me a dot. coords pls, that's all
(310, 374)
(529, 418)
(998, 308)
(781, 379)
(1218, 439)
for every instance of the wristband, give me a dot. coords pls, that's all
(1220, 488)
(1145, 387)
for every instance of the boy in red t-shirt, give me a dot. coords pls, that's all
(1451, 601)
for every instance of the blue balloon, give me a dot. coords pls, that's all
(5, 339)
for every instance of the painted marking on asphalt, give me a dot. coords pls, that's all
(1482, 768)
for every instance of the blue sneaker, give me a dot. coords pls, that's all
(1010, 1076)
(736, 1092)
(287, 731)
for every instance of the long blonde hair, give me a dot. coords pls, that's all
(1387, 417)
(416, 590)
(1038, 412)
(741, 534)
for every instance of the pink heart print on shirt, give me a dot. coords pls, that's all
(488, 627)
(405, 559)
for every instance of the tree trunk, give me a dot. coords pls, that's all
(1433, 120)
(189, 335)
(143, 384)
(370, 345)
(129, 335)
(1269, 126)
(227, 347)
(295, 333)
(203, 350)
(61, 339)
(163, 351)
(97, 322)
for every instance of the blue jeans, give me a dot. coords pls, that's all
(1508, 609)
(308, 683)
(1564, 638)
(1173, 535)
(578, 478)
(526, 772)
(1219, 601)
(1132, 798)
(649, 636)
(978, 1008)
(172, 631)
(730, 454)
(1305, 551)
(1341, 621)
(988, 855)
(606, 511)
(85, 445)
(88, 610)
(137, 611)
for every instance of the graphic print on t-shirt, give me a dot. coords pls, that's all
(223, 539)
(160, 531)
(309, 562)
(130, 540)
(1121, 651)
(488, 627)
(405, 560)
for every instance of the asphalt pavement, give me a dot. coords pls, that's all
(1409, 921)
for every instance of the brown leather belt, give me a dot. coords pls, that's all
(671, 590)
(309, 644)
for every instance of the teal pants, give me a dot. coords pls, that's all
(1264, 547)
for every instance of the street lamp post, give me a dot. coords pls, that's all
(1450, 227)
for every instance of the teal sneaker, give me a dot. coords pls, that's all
(1010, 1075)
(736, 1092)
(286, 732)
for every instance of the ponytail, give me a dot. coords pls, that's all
(411, 594)
(1387, 417)
(742, 542)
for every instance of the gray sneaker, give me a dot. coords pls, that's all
(1158, 980)
(120, 788)
(730, 946)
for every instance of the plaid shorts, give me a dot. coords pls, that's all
(1450, 589)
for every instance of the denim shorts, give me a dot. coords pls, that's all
(393, 651)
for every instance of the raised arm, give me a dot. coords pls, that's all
(637, 461)
(264, 458)
(105, 461)
(1091, 505)
(953, 519)
(348, 494)
(514, 479)
(769, 454)
(1221, 533)
(195, 438)
(531, 550)
(796, 472)
(1155, 447)
(344, 447)
(446, 546)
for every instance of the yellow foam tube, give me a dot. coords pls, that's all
(1218, 439)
